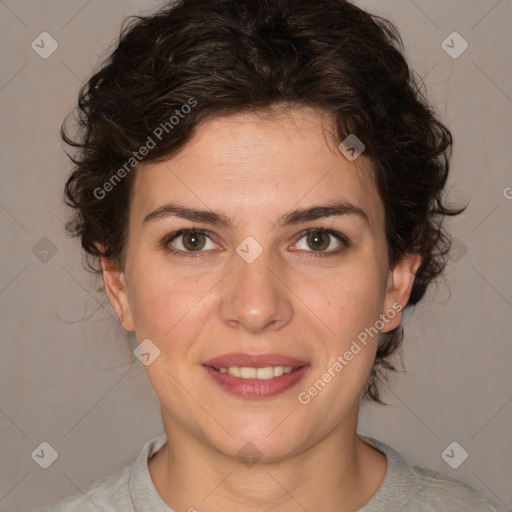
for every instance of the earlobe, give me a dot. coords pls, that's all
(115, 287)
(400, 282)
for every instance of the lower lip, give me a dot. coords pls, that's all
(256, 388)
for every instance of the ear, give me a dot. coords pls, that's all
(400, 281)
(117, 292)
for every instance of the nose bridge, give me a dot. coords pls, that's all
(254, 298)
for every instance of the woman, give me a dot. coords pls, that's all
(261, 182)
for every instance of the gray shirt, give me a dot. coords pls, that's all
(405, 488)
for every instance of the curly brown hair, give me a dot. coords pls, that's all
(226, 56)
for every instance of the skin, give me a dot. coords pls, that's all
(254, 169)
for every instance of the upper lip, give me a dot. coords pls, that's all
(254, 360)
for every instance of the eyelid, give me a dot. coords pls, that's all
(176, 234)
(336, 234)
(169, 238)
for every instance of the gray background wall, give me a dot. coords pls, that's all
(69, 382)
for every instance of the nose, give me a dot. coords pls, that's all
(255, 297)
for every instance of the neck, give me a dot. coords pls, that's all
(339, 473)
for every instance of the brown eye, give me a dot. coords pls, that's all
(318, 240)
(194, 241)
(323, 242)
(189, 241)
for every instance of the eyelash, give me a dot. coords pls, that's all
(196, 254)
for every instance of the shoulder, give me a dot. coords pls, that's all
(444, 493)
(117, 491)
(414, 489)
(110, 493)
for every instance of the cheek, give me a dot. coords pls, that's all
(347, 301)
(166, 306)
(152, 304)
(349, 304)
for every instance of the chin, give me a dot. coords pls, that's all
(266, 438)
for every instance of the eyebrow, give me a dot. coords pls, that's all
(291, 218)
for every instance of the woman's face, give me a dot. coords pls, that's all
(253, 287)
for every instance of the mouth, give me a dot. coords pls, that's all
(256, 376)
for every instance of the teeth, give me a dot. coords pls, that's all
(234, 370)
(265, 373)
(246, 372)
(278, 371)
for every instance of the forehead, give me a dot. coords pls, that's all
(249, 165)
